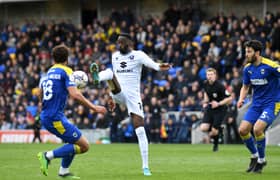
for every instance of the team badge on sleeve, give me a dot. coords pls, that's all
(227, 93)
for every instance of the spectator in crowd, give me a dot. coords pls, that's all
(4, 124)
(183, 128)
(164, 128)
(155, 120)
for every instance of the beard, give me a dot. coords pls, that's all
(124, 50)
(211, 81)
(252, 59)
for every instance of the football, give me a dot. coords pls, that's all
(80, 78)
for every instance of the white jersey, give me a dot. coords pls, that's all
(128, 68)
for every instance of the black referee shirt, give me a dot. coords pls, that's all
(216, 92)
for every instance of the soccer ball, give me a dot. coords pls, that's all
(80, 78)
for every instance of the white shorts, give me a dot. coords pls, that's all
(132, 102)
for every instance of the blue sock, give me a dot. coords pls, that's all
(261, 145)
(66, 161)
(250, 143)
(64, 151)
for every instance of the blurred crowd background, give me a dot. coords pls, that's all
(187, 38)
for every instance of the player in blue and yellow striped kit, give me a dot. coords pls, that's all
(263, 75)
(55, 87)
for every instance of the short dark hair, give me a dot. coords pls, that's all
(254, 44)
(60, 53)
(126, 35)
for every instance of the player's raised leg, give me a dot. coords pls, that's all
(106, 75)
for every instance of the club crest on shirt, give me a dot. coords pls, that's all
(131, 57)
(227, 93)
(215, 95)
(75, 134)
(262, 71)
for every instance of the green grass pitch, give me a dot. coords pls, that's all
(122, 162)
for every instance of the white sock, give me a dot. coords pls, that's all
(50, 155)
(261, 160)
(255, 155)
(106, 75)
(143, 145)
(63, 170)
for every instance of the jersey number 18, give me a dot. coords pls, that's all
(47, 89)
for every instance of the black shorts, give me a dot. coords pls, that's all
(155, 124)
(214, 117)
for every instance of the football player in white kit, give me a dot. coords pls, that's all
(124, 82)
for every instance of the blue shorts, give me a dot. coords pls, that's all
(62, 128)
(266, 113)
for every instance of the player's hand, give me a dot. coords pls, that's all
(204, 105)
(111, 104)
(214, 104)
(165, 66)
(240, 103)
(100, 109)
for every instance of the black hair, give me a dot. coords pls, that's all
(126, 35)
(254, 44)
(60, 53)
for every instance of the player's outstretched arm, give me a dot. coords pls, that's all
(76, 94)
(148, 62)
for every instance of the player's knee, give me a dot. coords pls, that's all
(214, 132)
(137, 124)
(204, 128)
(258, 131)
(84, 147)
(243, 131)
(138, 121)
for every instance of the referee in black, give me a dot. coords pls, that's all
(215, 101)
